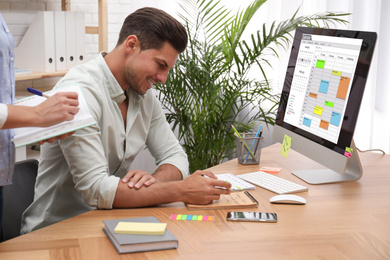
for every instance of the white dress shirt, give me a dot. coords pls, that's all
(82, 172)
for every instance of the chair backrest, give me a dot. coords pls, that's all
(18, 196)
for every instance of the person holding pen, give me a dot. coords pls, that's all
(60, 107)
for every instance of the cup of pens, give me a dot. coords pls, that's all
(248, 148)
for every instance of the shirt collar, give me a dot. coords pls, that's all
(115, 90)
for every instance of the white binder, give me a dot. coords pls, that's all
(70, 18)
(80, 37)
(36, 49)
(60, 40)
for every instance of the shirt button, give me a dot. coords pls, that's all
(12, 58)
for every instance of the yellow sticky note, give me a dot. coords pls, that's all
(139, 228)
(286, 145)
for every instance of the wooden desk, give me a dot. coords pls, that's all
(340, 221)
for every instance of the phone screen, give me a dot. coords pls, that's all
(252, 216)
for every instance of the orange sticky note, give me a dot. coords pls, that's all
(270, 170)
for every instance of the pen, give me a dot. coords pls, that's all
(37, 92)
(253, 143)
(246, 146)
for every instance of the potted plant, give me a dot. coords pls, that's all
(209, 89)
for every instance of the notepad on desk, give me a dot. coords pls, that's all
(28, 135)
(130, 243)
(140, 228)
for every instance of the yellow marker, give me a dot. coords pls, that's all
(200, 217)
(179, 217)
(286, 145)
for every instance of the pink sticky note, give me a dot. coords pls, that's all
(347, 154)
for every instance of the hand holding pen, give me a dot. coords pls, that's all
(62, 106)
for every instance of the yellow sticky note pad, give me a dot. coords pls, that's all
(138, 228)
(286, 145)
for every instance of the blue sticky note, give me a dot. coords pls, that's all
(335, 118)
(306, 121)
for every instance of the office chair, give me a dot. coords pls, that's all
(17, 197)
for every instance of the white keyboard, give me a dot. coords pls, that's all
(272, 182)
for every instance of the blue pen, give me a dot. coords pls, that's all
(37, 92)
(253, 143)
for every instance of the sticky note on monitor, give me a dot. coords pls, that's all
(348, 152)
(137, 228)
(286, 145)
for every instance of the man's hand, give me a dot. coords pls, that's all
(59, 137)
(201, 190)
(137, 179)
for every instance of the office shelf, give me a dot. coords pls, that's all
(40, 75)
(101, 30)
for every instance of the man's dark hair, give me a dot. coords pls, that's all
(154, 27)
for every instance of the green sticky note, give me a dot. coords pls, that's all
(286, 145)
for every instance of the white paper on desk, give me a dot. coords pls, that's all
(236, 182)
(29, 135)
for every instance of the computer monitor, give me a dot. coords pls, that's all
(320, 100)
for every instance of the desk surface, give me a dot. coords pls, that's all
(339, 221)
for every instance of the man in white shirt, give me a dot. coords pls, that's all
(84, 171)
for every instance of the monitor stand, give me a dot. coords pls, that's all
(353, 171)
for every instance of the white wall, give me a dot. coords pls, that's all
(373, 126)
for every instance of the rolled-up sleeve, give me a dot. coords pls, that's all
(88, 165)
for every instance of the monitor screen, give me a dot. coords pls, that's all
(322, 92)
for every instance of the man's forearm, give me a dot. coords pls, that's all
(194, 189)
(167, 172)
(158, 193)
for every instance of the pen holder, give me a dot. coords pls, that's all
(248, 148)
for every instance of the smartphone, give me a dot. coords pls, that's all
(252, 216)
